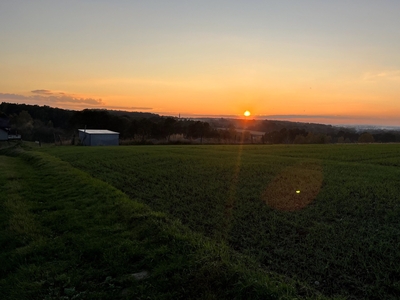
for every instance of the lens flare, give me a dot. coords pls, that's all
(295, 187)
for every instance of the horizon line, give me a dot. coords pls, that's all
(326, 119)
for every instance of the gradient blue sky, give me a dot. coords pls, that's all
(324, 61)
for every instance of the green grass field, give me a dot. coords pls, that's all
(210, 221)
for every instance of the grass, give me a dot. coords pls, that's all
(339, 235)
(67, 235)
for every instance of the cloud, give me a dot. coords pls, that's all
(50, 98)
(198, 116)
(56, 98)
(329, 119)
(70, 99)
(43, 92)
(11, 97)
(129, 107)
(393, 75)
(332, 117)
(336, 119)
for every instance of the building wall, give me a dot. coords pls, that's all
(104, 139)
(3, 135)
(85, 138)
(88, 139)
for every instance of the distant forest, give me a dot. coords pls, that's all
(55, 125)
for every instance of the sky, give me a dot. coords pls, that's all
(333, 62)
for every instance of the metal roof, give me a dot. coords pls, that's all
(98, 131)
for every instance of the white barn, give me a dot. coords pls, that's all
(98, 137)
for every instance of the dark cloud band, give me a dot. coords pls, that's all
(48, 97)
(42, 92)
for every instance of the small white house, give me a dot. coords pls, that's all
(98, 137)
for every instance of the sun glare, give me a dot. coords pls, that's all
(247, 113)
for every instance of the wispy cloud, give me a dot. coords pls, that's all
(336, 119)
(129, 107)
(42, 92)
(71, 99)
(393, 75)
(51, 98)
(11, 97)
(57, 98)
(285, 117)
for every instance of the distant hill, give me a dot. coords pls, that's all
(46, 113)
(59, 117)
(46, 124)
(267, 126)
(133, 114)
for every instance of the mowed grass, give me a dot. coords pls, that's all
(67, 235)
(326, 215)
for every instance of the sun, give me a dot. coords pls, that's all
(247, 113)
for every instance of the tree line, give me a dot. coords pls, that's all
(301, 136)
(47, 124)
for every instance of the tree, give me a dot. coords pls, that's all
(299, 139)
(24, 119)
(366, 138)
(340, 140)
(23, 122)
(144, 128)
(276, 137)
(169, 127)
(132, 129)
(199, 130)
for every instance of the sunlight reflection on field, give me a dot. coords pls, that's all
(230, 202)
(295, 187)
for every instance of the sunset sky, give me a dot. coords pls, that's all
(334, 62)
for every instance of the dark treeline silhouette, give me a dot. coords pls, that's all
(47, 124)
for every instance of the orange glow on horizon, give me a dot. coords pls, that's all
(275, 103)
